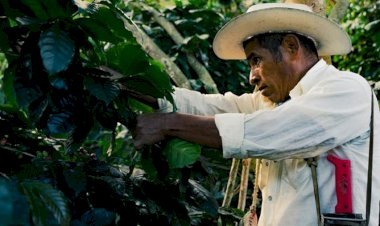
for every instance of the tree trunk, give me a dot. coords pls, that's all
(201, 70)
(231, 183)
(155, 52)
(244, 183)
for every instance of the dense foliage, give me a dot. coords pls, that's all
(67, 69)
(67, 157)
(362, 22)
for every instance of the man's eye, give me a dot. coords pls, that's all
(255, 61)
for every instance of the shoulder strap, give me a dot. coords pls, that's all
(313, 162)
(370, 160)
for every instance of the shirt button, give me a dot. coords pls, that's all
(270, 198)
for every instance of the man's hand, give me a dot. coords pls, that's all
(150, 129)
(154, 127)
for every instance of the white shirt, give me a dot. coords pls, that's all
(328, 113)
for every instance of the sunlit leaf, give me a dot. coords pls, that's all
(57, 50)
(130, 59)
(181, 153)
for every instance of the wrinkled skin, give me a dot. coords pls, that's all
(276, 79)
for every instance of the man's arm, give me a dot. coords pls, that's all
(155, 127)
(148, 100)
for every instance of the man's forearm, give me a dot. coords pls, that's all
(154, 127)
(193, 128)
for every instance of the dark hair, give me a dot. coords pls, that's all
(272, 42)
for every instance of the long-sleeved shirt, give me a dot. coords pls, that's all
(328, 113)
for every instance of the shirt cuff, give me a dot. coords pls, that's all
(231, 130)
(164, 105)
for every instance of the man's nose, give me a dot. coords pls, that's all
(254, 77)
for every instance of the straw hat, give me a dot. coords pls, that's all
(329, 37)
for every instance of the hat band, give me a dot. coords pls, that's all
(283, 32)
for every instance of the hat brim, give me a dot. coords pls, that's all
(330, 38)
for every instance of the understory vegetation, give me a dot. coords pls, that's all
(67, 69)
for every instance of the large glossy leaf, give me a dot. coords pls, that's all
(102, 88)
(60, 123)
(57, 50)
(113, 22)
(97, 30)
(13, 205)
(43, 198)
(27, 91)
(181, 153)
(81, 128)
(129, 59)
(156, 75)
(204, 199)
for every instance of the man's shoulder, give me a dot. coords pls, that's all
(345, 78)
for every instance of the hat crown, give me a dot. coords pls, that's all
(264, 6)
(329, 37)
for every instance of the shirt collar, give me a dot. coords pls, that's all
(309, 79)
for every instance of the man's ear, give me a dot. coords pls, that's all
(291, 44)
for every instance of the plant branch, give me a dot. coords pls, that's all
(339, 10)
(199, 68)
(155, 52)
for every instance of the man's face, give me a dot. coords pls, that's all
(273, 79)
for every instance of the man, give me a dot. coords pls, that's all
(303, 108)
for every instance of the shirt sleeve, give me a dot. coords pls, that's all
(193, 102)
(330, 114)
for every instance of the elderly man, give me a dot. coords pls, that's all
(303, 108)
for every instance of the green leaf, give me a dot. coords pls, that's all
(203, 198)
(54, 9)
(115, 24)
(6, 204)
(142, 85)
(75, 179)
(57, 50)
(60, 123)
(98, 216)
(37, 7)
(158, 76)
(13, 205)
(98, 30)
(103, 89)
(181, 153)
(8, 87)
(43, 198)
(17, 113)
(130, 59)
